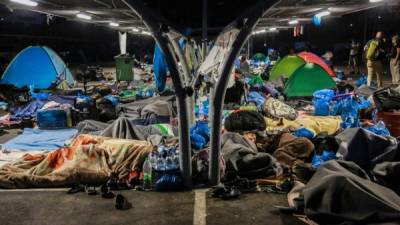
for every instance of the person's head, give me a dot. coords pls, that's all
(243, 58)
(379, 35)
(251, 136)
(396, 39)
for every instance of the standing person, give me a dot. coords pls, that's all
(395, 59)
(375, 56)
(353, 57)
(244, 66)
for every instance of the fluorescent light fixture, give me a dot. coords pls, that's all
(324, 13)
(373, 1)
(83, 16)
(273, 29)
(25, 2)
(146, 32)
(135, 29)
(261, 31)
(113, 24)
(293, 22)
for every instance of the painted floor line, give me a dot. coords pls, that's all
(199, 211)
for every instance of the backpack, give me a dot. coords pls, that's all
(379, 53)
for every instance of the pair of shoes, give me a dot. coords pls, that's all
(121, 203)
(225, 193)
(76, 189)
(105, 192)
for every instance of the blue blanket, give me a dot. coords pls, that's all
(36, 139)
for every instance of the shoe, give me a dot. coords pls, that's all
(76, 189)
(105, 192)
(121, 203)
(231, 193)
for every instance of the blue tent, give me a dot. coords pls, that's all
(38, 66)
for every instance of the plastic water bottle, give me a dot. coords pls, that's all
(153, 160)
(169, 163)
(147, 175)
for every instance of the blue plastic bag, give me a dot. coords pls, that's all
(304, 132)
(200, 134)
(321, 100)
(348, 109)
(319, 160)
(379, 129)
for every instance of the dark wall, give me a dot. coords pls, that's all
(334, 33)
(76, 42)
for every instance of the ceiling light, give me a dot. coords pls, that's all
(273, 29)
(324, 13)
(146, 32)
(135, 30)
(293, 22)
(25, 2)
(113, 24)
(83, 16)
(373, 1)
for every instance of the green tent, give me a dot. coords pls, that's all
(308, 79)
(286, 66)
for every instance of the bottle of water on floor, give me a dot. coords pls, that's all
(147, 175)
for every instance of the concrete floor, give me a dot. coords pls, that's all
(55, 207)
(9, 134)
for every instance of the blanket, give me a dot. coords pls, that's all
(341, 193)
(37, 139)
(124, 128)
(89, 160)
(365, 148)
(242, 157)
(133, 110)
(316, 124)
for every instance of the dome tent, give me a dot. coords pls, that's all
(286, 66)
(38, 66)
(308, 79)
(309, 57)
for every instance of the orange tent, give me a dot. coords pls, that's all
(312, 58)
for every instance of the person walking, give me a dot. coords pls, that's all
(375, 56)
(353, 57)
(395, 59)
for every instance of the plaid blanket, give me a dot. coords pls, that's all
(89, 160)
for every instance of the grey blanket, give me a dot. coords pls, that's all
(160, 105)
(123, 128)
(365, 148)
(241, 157)
(341, 193)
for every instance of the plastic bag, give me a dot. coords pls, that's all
(322, 101)
(200, 134)
(319, 160)
(379, 129)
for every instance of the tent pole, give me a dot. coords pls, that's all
(204, 29)
(246, 23)
(187, 75)
(160, 30)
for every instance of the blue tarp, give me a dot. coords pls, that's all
(38, 66)
(36, 139)
(160, 68)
